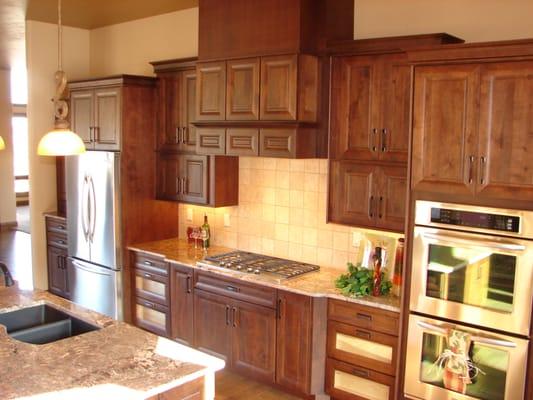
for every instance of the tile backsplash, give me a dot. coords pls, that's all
(282, 212)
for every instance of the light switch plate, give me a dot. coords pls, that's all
(356, 239)
(189, 214)
(227, 221)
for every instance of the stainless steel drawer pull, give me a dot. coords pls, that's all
(365, 317)
(148, 263)
(363, 334)
(363, 373)
(60, 227)
(60, 242)
(148, 276)
(148, 304)
(232, 289)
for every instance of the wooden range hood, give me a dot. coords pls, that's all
(262, 79)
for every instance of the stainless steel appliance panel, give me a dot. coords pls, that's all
(479, 279)
(95, 287)
(502, 361)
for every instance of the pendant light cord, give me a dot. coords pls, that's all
(59, 37)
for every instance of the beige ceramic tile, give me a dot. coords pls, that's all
(282, 197)
(309, 254)
(340, 241)
(243, 241)
(295, 234)
(282, 164)
(256, 244)
(268, 247)
(256, 163)
(340, 258)
(323, 166)
(310, 201)
(325, 239)
(296, 180)
(310, 237)
(324, 256)
(269, 178)
(312, 166)
(295, 251)
(296, 198)
(269, 195)
(268, 230)
(297, 165)
(281, 232)
(283, 179)
(244, 177)
(311, 182)
(269, 163)
(323, 183)
(296, 216)
(282, 215)
(245, 162)
(310, 219)
(269, 213)
(281, 248)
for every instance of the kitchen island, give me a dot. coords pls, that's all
(118, 361)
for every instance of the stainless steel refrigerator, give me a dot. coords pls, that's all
(94, 232)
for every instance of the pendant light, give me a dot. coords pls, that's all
(2, 144)
(60, 141)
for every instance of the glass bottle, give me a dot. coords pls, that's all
(398, 267)
(376, 290)
(206, 234)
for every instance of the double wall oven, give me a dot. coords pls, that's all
(470, 304)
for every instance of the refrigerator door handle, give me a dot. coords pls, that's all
(85, 207)
(92, 222)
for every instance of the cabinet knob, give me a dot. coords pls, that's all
(471, 169)
(482, 169)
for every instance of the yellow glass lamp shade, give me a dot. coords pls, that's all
(2, 144)
(60, 142)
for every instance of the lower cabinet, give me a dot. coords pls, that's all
(182, 303)
(56, 239)
(193, 390)
(152, 316)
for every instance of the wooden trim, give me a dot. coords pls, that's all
(175, 64)
(255, 124)
(115, 80)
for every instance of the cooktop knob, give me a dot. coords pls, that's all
(257, 272)
(249, 270)
(239, 267)
(221, 263)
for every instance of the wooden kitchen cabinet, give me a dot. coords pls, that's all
(56, 238)
(295, 338)
(365, 194)
(370, 107)
(242, 92)
(96, 112)
(211, 91)
(182, 303)
(279, 79)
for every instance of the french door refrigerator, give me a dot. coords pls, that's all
(94, 232)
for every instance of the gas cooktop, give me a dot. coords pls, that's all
(251, 263)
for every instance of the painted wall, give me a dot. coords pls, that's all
(472, 20)
(8, 212)
(130, 46)
(41, 53)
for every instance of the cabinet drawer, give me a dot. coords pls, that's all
(151, 286)
(236, 289)
(56, 225)
(277, 143)
(242, 142)
(151, 264)
(347, 382)
(57, 240)
(364, 317)
(152, 316)
(373, 350)
(211, 141)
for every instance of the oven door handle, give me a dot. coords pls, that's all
(482, 243)
(474, 338)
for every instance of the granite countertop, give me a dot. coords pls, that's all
(317, 284)
(119, 361)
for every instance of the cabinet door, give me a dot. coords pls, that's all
(242, 142)
(212, 315)
(506, 131)
(279, 76)
(243, 89)
(253, 340)
(445, 128)
(211, 141)
(81, 115)
(188, 110)
(355, 108)
(274, 142)
(211, 91)
(392, 197)
(152, 317)
(353, 193)
(107, 118)
(57, 272)
(168, 177)
(194, 173)
(395, 106)
(182, 304)
(168, 109)
(295, 336)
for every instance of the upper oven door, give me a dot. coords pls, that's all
(436, 355)
(478, 279)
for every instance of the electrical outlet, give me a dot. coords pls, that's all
(189, 214)
(356, 239)
(227, 221)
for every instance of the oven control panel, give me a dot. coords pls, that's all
(472, 219)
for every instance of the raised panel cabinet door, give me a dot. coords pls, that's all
(395, 99)
(392, 198)
(279, 82)
(275, 142)
(194, 173)
(211, 141)
(169, 182)
(242, 142)
(81, 115)
(168, 107)
(107, 118)
(445, 117)
(294, 346)
(188, 110)
(353, 193)
(506, 131)
(57, 271)
(212, 324)
(253, 340)
(182, 304)
(355, 130)
(211, 91)
(243, 89)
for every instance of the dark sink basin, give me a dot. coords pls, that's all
(43, 324)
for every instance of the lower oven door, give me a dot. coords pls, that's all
(449, 361)
(482, 279)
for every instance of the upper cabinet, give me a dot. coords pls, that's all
(472, 126)
(211, 91)
(370, 108)
(96, 113)
(242, 90)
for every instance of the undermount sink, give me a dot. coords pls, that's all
(43, 324)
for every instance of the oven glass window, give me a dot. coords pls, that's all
(486, 375)
(478, 277)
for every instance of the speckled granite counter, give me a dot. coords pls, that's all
(118, 361)
(318, 284)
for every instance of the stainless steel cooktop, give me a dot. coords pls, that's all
(258, 264)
